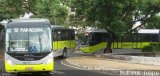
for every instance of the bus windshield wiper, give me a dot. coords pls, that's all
(40, 42)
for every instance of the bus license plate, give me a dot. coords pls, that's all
(29, 68)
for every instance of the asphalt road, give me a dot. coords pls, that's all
(62, 70)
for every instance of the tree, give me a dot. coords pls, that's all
(51, 9)
(116, 16)
(11, 9)
(54, 10)
(153, 22)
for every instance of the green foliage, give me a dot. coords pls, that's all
(152, 48)
(116, 15)
(11, 9)
(51, 9)
(153, 22)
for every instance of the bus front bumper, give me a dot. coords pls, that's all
(10, 68)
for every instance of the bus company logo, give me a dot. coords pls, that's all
(28, 30)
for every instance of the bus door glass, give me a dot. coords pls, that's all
(96, 38)
(85, 39)
(72, 34)
(55, 39)
(146, 39)
(117, 44)
(127, 41)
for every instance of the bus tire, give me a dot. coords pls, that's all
(64, 55)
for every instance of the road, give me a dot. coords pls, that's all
(62, 70)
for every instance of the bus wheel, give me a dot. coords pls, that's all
(64, 55)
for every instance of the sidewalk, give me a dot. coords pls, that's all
(113, 66)
(105, 64)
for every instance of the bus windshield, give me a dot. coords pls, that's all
(85, 39)
(28, 40)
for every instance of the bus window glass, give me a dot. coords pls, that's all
(85, 39)
(104, 37)
(146, 37)
(28, 40)
(154, 37)
(72, 35)
(59, 35)
(63, 35)
(96, 38)
(68, 37)
(128, 38)
(55, 36)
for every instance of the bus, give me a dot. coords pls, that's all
(96, 40)
(28, 46)
(1, 33)
(137, 40)
(63, 41)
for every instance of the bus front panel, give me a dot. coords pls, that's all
(28, 49)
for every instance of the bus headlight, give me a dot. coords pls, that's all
(49, 60)
(9, 62)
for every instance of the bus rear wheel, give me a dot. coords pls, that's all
(64, 55)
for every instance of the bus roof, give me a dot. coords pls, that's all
(31, 22)
(151, 31)
(96, 30)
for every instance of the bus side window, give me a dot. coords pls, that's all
(55, 35)
(63, 35)
(72, 35)
(146, 38)
(154, 38)
(104, 37)
(68, 35)
(96, 38)
(59, 35)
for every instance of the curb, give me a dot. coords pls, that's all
(95, 69)
(132, 59)
(113, 71)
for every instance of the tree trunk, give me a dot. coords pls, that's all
(111, 38)
(108, 47)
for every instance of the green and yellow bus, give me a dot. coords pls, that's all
(96, 40)
(63, 41)
(28, 46)
(93, 40)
